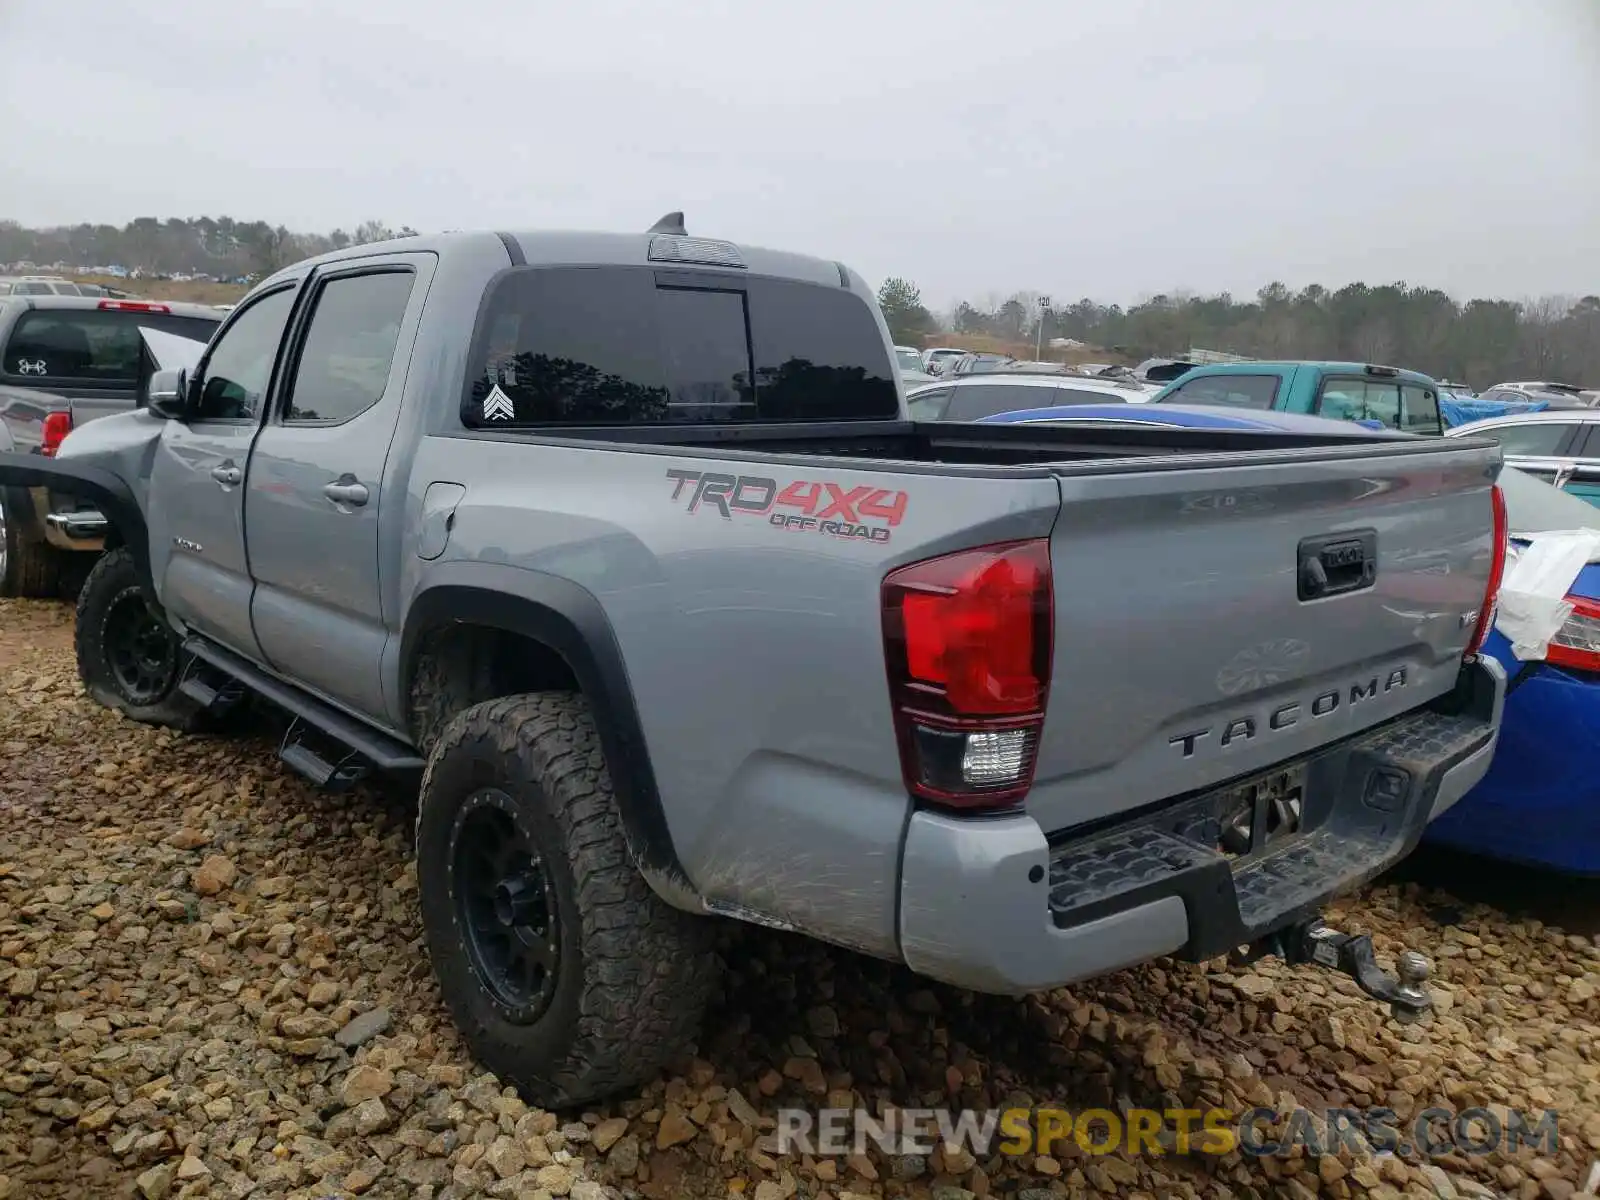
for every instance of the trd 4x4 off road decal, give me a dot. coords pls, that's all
(860, 513)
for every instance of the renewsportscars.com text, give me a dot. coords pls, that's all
(1257, 1132)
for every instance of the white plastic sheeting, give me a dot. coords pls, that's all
(172, 351)
(1533, 604)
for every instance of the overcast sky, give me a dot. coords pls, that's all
(1109, 148)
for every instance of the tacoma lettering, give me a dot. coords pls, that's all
(1285, 716)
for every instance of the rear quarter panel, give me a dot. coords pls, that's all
(754, 651)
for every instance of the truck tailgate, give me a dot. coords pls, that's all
(1188, 648)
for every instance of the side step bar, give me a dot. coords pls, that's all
(330, 749)
(215, 691)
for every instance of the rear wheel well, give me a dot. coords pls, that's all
(463, 664)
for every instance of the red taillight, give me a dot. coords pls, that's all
(968, 641)
(135, 306)
(1497, 570)
(1577, 642)
(54, 431)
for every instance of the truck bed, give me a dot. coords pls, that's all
(906, 445)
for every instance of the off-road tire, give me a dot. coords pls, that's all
(633, 973)
(31, 568)
(449, 672)
(111, 584)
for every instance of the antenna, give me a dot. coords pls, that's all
(671, 223)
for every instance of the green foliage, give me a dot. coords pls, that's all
(903, 310)
(1480, 342)
(219, 247)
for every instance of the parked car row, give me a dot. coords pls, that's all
(53, 285)
(1539, 804)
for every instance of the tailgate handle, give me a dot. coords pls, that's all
(1337, 562)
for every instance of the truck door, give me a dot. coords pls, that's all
(196, 505)
(313, 502)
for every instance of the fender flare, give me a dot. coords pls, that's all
(109, 493)
(570, 621)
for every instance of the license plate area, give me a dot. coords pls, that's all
(1261, 814)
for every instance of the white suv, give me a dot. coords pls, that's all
(973, 397)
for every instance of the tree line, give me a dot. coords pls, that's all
(1480, 342)
(221, 247)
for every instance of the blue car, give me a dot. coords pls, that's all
(1540, 802)
(1180, 416)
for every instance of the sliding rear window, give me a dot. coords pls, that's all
(633, 346)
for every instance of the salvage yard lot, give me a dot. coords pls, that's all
(213, 983)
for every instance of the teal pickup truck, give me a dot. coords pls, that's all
(1388, 396)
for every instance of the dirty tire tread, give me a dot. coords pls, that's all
(33, 569)
(444, 684)
(111, 575)
(646, 968)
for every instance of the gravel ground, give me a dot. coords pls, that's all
(212, 983)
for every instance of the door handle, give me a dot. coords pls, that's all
(227, 474)
(346, 491)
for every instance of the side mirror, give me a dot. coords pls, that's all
(169, 394)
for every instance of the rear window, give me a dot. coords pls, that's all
(88, 344)
(1407, 407)
(1081, 396)
(1419, 410)
(975, 401)
(626, 346)
(1535, 438)
(929, 405)
(1360, 400)
(1227, 391)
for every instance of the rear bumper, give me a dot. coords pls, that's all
(108, 495)
(39, 518)
(77, 529)
(997, 906)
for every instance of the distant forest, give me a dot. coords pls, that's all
(220, 247)
(1477, 341)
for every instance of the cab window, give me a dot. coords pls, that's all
(1360, 400)
(1419, 410)
(1537, 439)
(238, 367)
(1227, 391)
(929, 406)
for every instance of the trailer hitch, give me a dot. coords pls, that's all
(1350, 954)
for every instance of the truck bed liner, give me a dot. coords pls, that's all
(936, 447)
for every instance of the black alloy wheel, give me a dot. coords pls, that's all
(141, 652)
(506, 907)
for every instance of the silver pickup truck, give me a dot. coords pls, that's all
(67, 359)
(625, 545)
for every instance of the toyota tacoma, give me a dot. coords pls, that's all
(625, 547)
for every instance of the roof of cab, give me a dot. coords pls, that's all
(591, 248)
(1283, 366)
(175, 308)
